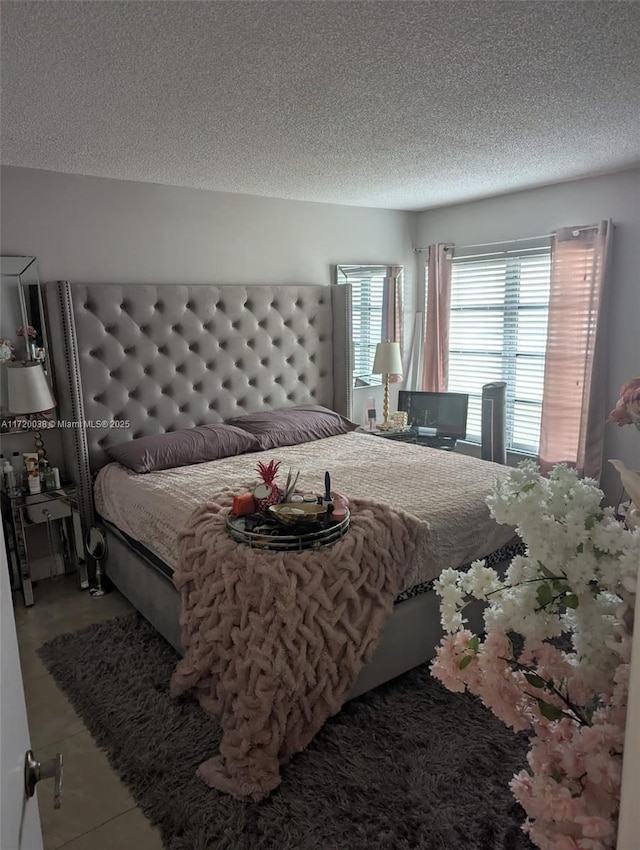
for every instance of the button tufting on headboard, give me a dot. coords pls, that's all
(164, 357)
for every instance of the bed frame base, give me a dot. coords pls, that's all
(409, 639)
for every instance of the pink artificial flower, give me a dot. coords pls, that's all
(554, 665)
(621, 685)
(594, 827)
(571, 798)
(448, 675)
(627, 409)
(29, 331)
(501, 688)
(571, 792)
(502, 693)
(565, 842)
(446, 665)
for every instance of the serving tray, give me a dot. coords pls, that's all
(274, 536)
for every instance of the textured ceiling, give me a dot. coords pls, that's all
(392, 104)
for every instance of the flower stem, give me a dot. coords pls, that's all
(525, 668)
(526, 581)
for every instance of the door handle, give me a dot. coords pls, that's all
(34, 771)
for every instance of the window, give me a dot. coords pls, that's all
(368, 326)
(498, 332)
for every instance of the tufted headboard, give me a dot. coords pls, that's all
(168, 357)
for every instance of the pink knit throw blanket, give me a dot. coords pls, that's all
(275, 640)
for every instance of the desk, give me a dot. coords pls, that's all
(447, 444)
(59, 510)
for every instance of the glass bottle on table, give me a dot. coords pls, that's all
(17, 462)
(9, 478)
(48, 480)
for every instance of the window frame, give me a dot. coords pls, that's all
(511, 308)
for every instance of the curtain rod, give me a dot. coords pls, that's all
(509, 241)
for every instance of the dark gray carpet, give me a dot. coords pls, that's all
(409, 766)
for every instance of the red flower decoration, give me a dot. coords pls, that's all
(268, 472)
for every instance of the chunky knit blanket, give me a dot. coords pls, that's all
(275, 640)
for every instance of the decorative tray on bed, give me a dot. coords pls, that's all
(271, 534)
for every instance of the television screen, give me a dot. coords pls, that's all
(440, 414)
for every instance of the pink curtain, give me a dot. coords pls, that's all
(392, 310)
(574, 402)
(435, 370)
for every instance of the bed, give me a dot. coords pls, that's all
(138, 360)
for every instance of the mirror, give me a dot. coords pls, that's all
(96, 545)
(22, 324)
(376, 292)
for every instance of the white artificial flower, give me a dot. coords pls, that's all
(479, 581)
(577, 579)
(447, 578)
(578, 573)
(6, 351)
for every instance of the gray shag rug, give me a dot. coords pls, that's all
(409, 766)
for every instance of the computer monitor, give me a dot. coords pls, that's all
(440, 414)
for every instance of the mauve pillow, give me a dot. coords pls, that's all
(182, 448)
(292, 425)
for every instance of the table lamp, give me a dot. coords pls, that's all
(28, 392)
(387, 362)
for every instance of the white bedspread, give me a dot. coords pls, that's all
(445, 490)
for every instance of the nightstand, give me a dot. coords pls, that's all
(58, 510)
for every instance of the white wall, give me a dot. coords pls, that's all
(97, 230)
(539, 211)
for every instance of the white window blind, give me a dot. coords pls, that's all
(498, 332)
(367, 294)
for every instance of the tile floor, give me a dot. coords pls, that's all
(98, 812)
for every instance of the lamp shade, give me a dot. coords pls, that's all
(388, 359)
(27, 388)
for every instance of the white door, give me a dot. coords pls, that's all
(19, 817)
